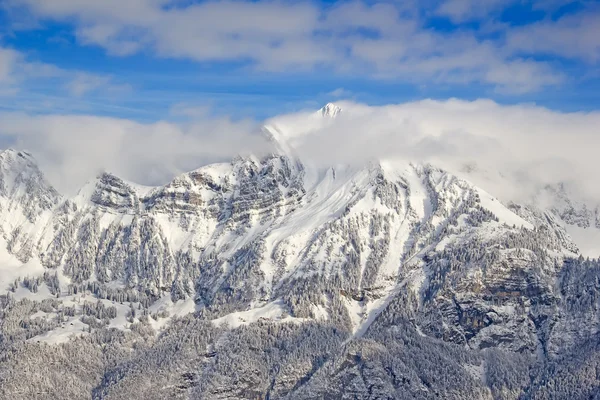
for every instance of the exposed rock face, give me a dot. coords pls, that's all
(23, 188)
(113, 194)
(573, 212)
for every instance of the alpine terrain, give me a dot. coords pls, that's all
(273, 278)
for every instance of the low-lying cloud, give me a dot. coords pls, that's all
(511, 151)
(73, 149)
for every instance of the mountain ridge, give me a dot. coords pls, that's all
(351, 254)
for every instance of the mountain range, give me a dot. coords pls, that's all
(270, 277)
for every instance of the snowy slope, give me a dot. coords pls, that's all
(269, 237)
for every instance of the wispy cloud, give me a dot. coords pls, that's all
(576, 37)
(340, 93)
(82, 83)
(16, 69)
(19, 74)
(8, 61)
(466, 10)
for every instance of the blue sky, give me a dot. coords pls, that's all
(148, 60)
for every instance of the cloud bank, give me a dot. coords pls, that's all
(511, 151)
(73, 149)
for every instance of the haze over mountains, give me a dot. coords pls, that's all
(318, 267)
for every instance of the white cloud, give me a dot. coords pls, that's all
(17, 70)
(72, 149)
(573, 36)
(466, 10)
(514, 149)
(8, 60)
(192, 111)
(340, 93)
(517, 149)
(83, 83)
(381, 39)
(522, 77)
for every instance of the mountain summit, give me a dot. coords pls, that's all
(330, 110)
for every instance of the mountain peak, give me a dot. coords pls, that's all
(12, 155)
(330, 110)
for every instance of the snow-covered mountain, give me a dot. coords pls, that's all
(351, 259)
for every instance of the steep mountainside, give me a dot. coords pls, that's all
(271, 278)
